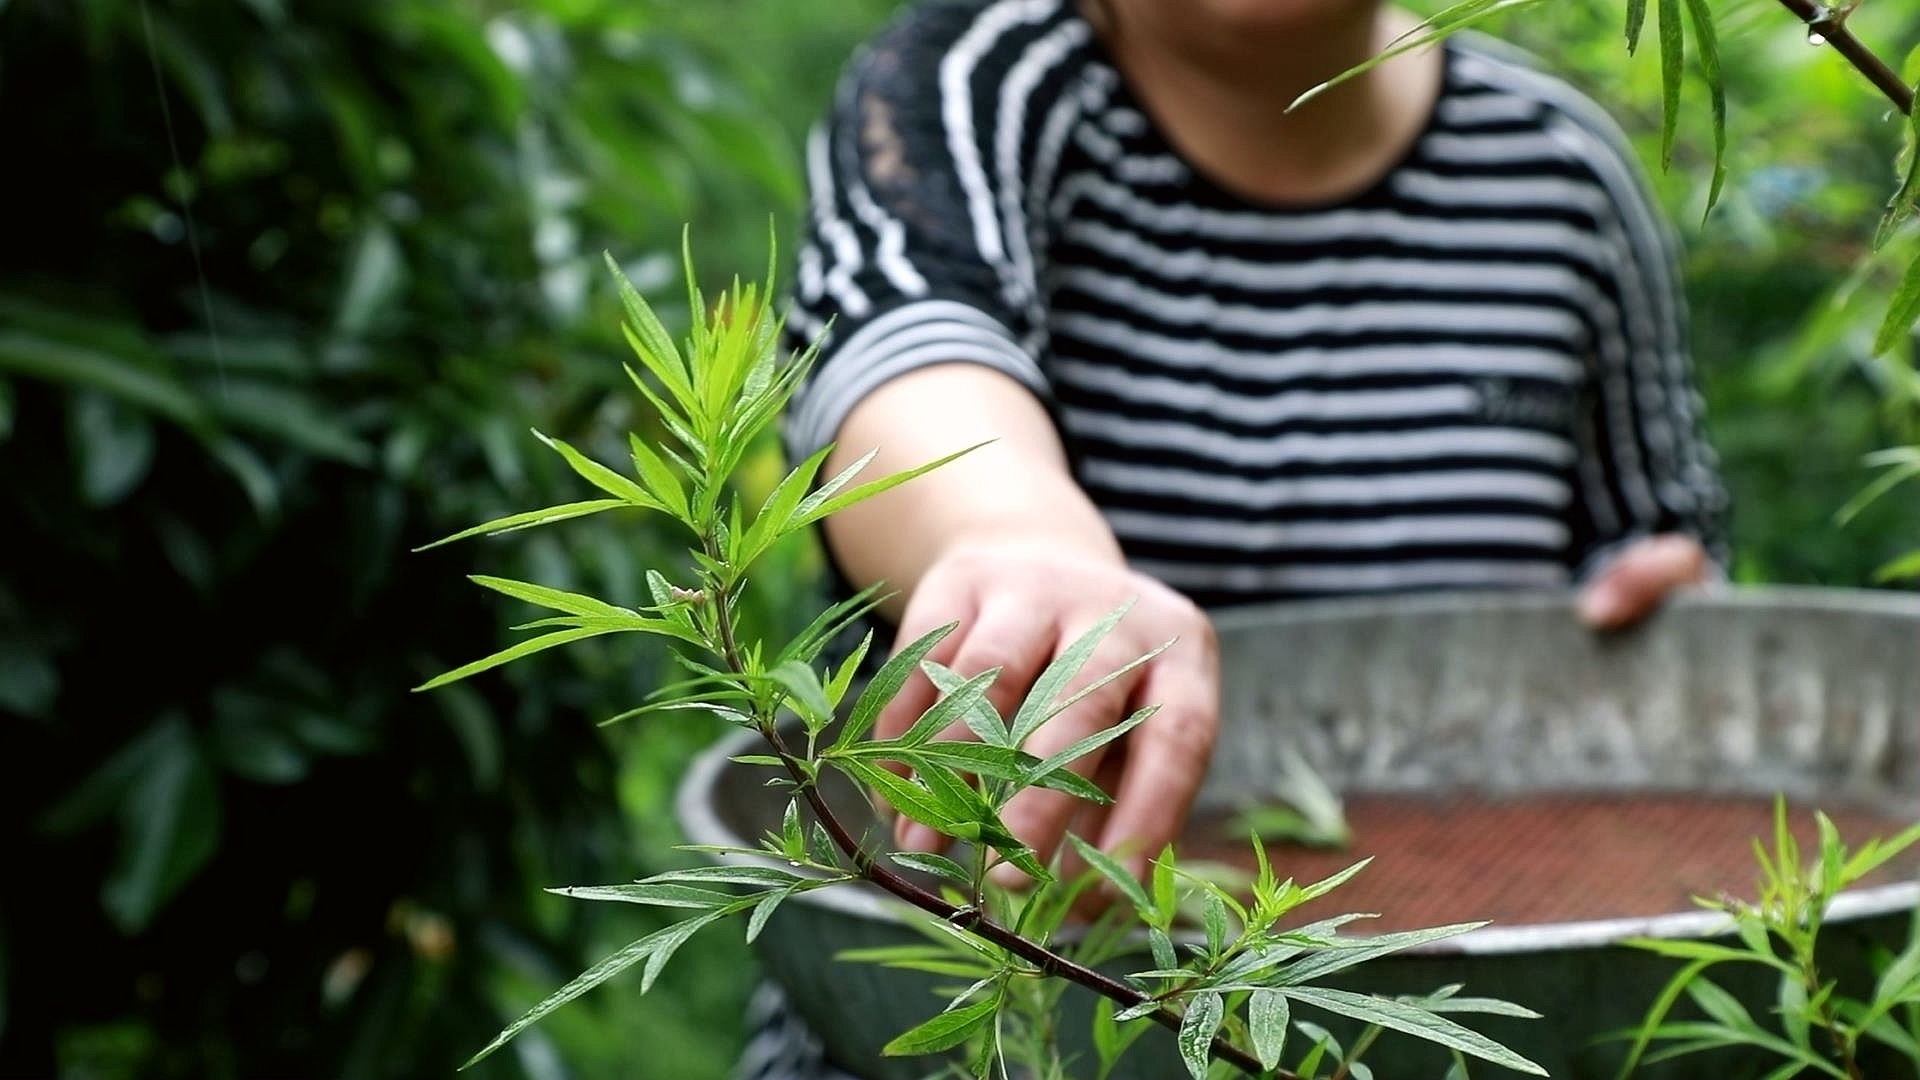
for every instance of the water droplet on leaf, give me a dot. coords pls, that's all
(1816, 39)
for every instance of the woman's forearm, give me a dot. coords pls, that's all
(1018, 485)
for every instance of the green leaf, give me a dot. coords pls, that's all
(808, 697)
(1161, 946)
(1122, 879)
(1673, 51)
(945, 1031)
(1057, 763)
(1902, 313)
(937, 865)
(1662, 1004)
(140, 382)
(907, 797)
(1411, 1020)
(981, 718)
(1700, 13)
(1111, 1038)
(114, 445)
(1267, 1018)
(600, 476)
(950, 709)
(811, 511)
(885, 685)
(169, 827)
(1636, 21)
(1903, 568)
(1897, 473)
(1458, 17)
(651, 893)
(557, 599)
(514, 652)
(733, 875)
(1214, 919)
(1205, 1011)
(660, 481)
(650, 340)
(1040, 705)
(531, 518)
(1325, 962)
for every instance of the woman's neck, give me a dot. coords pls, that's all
(1223, 102)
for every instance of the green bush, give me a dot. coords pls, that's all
(295, 282)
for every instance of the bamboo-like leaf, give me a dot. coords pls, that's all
(806, 646)
(1120, 876)
(981, 718)
(1268, 1017)
(1902, 314)
(1636, 21)
(660, 480)
(949, 709)
(530, 519)
(512, 653)
(1205, 1011)
(1893, 477)
(651, 893)
(807, 515)
(1662, 1004)
(557, 599)
(1904, 568)
(643, 949)
(600, 476)
(652, 343)
(938, 865)
(945, 1031)
(1411, 1020)
(1906, 198)
(805, 693)
(1700, 13)
(1319, 965)
(1052, 683)
(1673, 53)
(1460, 16)
(1057, 763)
(885, 684)
(907, 797)
(776, 513)
(733, 875)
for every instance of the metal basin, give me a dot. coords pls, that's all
(1814, 693)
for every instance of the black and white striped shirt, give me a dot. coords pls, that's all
(1473, 374)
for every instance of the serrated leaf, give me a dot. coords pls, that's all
(530, 519)
(1268, 1016)
(1412, 1020)
(943, 1032)
(1204, 1013)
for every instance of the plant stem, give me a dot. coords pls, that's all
(973, 918)
(1360, 1046)
(1831, 24)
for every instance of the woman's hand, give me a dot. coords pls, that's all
(1634, 583)
(1019, 602)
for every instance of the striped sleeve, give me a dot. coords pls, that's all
(916, 243)
(1646, 465)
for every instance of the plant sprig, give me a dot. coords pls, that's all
(715, 398)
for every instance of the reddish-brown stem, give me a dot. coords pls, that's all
(975, 921)
(1831, 23)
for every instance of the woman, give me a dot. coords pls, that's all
(1423, 332)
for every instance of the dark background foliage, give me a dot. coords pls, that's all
(285, 284)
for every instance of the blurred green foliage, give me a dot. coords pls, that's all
(288, 284)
